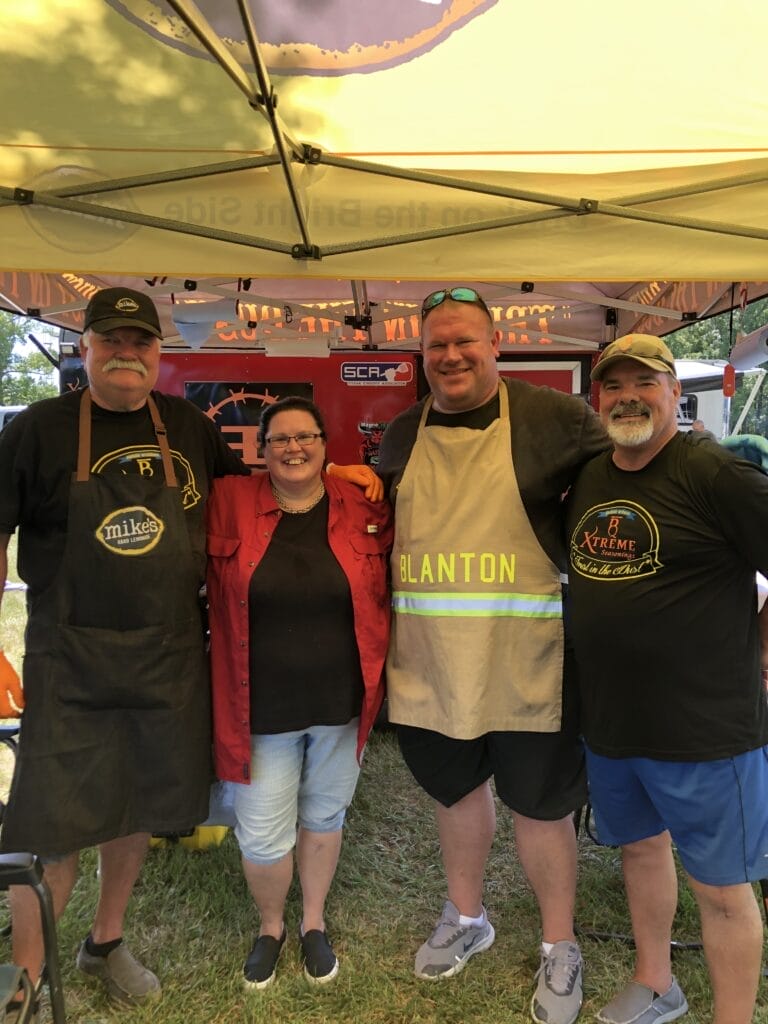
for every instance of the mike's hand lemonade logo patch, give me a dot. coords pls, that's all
(130, 531)
(617, 540)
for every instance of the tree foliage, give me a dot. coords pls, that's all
(24, 376)
(714, 339)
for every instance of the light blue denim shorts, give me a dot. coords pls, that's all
(715, 811)
(305, 778)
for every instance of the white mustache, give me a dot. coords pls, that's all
(125, 364)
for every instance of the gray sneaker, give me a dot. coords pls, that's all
(451, 944)
(558, 995)
(126, 980)
(638, 1004)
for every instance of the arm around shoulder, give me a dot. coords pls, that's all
(594, 438)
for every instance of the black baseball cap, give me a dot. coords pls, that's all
(122, 307)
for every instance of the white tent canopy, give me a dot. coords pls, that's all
(593, 170)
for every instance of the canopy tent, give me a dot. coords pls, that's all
(593, 171)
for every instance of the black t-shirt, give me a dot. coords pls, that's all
(38, 455)
(304, 662)
(473, 419)
(663, 603)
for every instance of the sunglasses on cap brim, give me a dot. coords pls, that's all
(462, 294)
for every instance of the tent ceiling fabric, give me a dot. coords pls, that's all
(608, 160)
(547, 315)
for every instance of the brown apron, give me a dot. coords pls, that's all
(116, 735)
(477, 634)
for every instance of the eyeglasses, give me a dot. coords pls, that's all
(306, 440)
(462, 294)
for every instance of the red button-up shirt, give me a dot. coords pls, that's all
(242, 516)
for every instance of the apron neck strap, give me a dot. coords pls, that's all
(425, 411)
(503, 404)
(84, 437)
(162, 440)
(84, 440)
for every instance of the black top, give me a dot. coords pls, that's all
(38, 455)
(304, 662)
(663, 603)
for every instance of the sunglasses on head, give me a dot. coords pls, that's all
(462, 294)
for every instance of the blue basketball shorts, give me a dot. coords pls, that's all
(715, 811)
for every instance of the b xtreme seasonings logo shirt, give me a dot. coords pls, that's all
(147, 461)
(616, 540)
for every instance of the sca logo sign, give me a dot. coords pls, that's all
(130, 531)
(377, 374)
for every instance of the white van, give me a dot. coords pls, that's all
(7, 412)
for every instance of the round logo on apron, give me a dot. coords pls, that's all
(130, 531)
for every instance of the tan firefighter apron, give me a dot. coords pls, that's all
(477, 636)
(116, 735)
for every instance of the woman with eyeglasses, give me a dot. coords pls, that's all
(299, 618)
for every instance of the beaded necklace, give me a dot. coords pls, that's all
(281, 501)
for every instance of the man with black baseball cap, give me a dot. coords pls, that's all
(107, 486)
(111, 308)
(666, 534)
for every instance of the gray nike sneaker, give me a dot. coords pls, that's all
(451, 944)
(558, 995)
(638, 1004)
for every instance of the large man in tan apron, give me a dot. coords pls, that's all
(115, 738)
(475, 674)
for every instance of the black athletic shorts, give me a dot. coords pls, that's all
(538, 774)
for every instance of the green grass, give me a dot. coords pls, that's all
(14, 615)
(192, 921)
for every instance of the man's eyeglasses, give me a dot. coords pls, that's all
(462, 294)
(306, 440)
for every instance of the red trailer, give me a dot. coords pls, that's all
(358, 392)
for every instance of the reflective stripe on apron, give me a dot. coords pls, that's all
(477, 633)
(115, 738)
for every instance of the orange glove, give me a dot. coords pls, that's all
(361, 475)
(11, 693)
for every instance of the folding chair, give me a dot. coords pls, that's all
(26, 869)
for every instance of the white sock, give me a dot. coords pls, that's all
(546, 948)
(472, 922)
